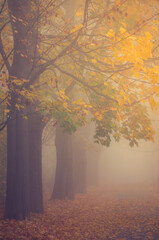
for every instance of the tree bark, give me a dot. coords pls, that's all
(80, 166)
(24, 182)
(17, 204)
(35, 158)
(63, 187)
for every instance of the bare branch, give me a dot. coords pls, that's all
(7, 58)
(85, 84)
(140, 100)
(4, 99)
(64, 51)
(2, 6)
(3, 125)
(86, 12)
(3, 54)
(1, 29)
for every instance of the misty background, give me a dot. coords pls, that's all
(118, 164)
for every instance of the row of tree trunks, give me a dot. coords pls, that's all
(71, 166)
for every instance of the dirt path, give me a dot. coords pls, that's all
(103, 214)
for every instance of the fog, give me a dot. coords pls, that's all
(125, 165)
(48, 158)
(118, 164)
(121, 164)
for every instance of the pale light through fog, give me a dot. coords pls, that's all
(121, 164)
(118, 164)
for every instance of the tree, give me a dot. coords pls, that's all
(22, 134)
(2, 167)
(63, 187)
(71, 165)
(96, 56)
(80, 165)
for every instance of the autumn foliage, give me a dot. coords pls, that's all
(94, 60)
(106, 51)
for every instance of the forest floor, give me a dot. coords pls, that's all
(103, 214)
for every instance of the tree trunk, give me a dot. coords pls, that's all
(35, 150)
(24, 187)
(63, 187)
(17, 204)
(80, 166)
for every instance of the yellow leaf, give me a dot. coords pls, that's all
(136, 73)
(98, 116)
(65, 105)
(17, 106)
(106, 60)
(156, 89)
(39, 50)
(79, 13)
(154, 28)
(94, 61)
(156, 22)
(124, 25)
(118, 117)
(111, 33)
(152, 103)
(113, 109)
(148, 35)
(76, 28)
(6, 110)
(122, 30)
(93, 73)
(86, 111)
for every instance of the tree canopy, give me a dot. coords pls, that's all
(97, 60)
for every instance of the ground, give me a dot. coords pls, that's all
(104, 213)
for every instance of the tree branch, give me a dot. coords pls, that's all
(1, 29)
(3, 54)
(4, 99)
(3, 125)
(85, 84)
(2, 6)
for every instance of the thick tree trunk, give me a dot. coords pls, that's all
(80, 166)
(35, 150)
(17, 204)
(24, 187)
(63, 187)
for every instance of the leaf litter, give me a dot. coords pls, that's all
(102, 214)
